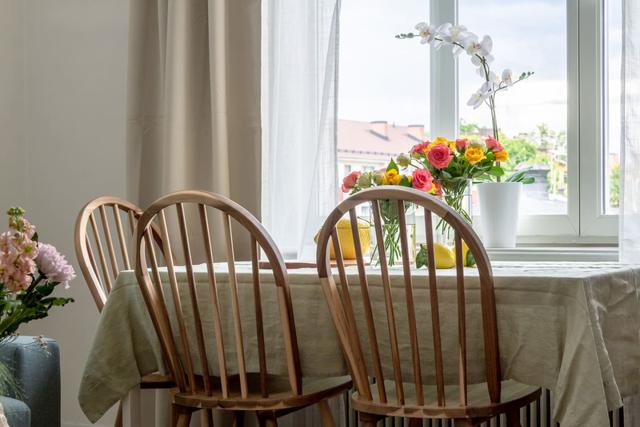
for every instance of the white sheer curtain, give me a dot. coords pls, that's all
(630, 171)
(299, 167)
(630, 200)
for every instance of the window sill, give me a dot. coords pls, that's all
(556, 253)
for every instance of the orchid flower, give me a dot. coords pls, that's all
(476, 100)
(460, 39)
(426, 32)
(507, 77)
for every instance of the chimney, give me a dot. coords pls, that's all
(416, 132)
(379, 128)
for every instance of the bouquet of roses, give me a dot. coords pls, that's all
(419, 178)
(29, 273)
(453, 164)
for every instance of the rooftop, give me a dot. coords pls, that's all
(377, 139)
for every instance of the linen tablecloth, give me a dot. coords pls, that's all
(573, 328)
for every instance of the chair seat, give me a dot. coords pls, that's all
(280, 396)
(513, 395)
(156, 380)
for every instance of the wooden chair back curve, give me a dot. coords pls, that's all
(193, 374)
(341, 305)
(103, 242)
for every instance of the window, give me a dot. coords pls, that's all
(383, 84)
(563, 123)
(613, 76)
(533, 115)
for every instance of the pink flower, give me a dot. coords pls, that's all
(440, 156)
(462, 144)
(17, 254)
(493, 144)
(419, 149)
(349, 181)
(422, 180)
(53, 265)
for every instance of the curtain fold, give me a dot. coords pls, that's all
(194, 99)
(630, 172)
(299, 84)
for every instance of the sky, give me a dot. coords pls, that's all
(382, 78)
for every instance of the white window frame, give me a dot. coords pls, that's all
(585, 221)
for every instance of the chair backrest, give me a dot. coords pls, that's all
(169, 308)
(103, 241)
(341, 304)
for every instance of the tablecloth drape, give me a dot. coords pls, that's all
(573, 328)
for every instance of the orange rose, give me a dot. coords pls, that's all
(502, 156)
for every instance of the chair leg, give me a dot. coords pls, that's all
(182, 416)
(415, 422)
(267, 419)
(326, 415)
(237, 419)
(513, 418)
(118, 422)
(368, 420)
(208, 417)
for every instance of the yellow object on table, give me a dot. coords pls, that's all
(345, 238)
(445, 257)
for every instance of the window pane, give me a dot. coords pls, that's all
(384, 82)
(613, 119)
(528, 35)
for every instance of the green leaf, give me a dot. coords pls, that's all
(496, 171)
(422, 256)
(470, 261)
(392, 165)
(405, 182)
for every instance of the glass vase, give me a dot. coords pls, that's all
(459, 197)
(390, 224)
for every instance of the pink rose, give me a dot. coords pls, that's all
(462, 144)
(419, 149)
(440, 156)
(493, 144)
(422, 180)
(349, 181)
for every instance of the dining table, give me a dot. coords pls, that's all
(569, 327)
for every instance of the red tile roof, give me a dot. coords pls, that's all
(375, 140)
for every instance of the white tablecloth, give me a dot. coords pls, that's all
(573, 328)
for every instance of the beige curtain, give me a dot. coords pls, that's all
(194, 99)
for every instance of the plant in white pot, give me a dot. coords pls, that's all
(499, 199)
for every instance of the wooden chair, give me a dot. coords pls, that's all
(467, 404)
(262, 392)
(99, 220)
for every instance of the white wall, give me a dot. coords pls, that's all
(62, 134)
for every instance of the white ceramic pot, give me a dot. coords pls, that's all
(499, 208)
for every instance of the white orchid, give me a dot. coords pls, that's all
(479, 51)
(475, 47)
(456, 33)
(476, 100)
(471, 44)
(507, 77)
(426, 32)
(486, 46)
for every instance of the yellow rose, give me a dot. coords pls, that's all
(502, 156)
(441, 141)
(392, 177)
(474, 155)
